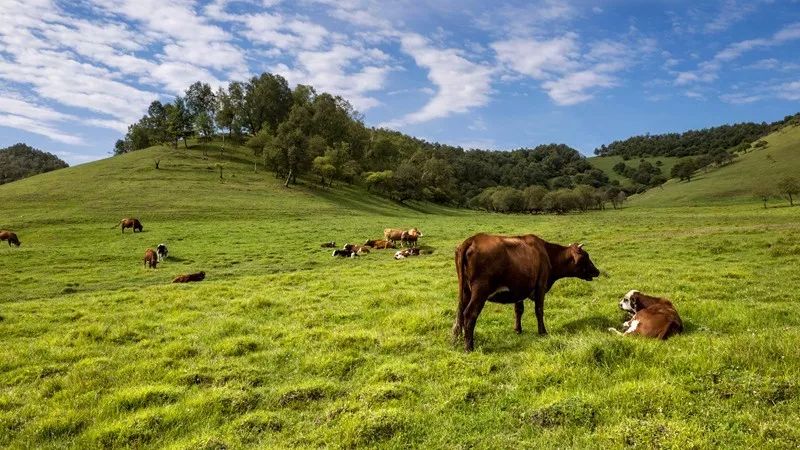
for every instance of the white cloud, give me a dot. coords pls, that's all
(538, 58)
(568, 75)
(460, 84)
(708, 71)
(574, 88)
(38, 127)
(789, 91)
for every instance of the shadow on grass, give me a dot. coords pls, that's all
(601, 323)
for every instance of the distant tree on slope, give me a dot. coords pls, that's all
(789, 186)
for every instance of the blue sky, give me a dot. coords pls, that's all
(496, 75)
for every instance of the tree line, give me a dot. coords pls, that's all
(707, 141)
(20, 161)
(300, 133)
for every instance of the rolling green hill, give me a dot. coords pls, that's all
(735, 182)
(606, 164)
(283, 346)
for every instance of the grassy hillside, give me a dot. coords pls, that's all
(733, 183)
(606, 164)
(284, 346)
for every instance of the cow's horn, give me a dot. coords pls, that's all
(580, 245)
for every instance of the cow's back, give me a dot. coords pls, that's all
(494, 262)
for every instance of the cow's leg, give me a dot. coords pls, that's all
(471, 313)
(519, 308)
(538, 304)
(458, 325)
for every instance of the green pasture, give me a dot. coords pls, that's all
(283, 346)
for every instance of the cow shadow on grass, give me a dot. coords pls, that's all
(177, 259)
(591, 323)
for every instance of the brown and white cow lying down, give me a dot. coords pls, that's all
(357, 249)
(199, 276)
(509, 269)
(652, 316)
(131, 223)
(150, 258)
(407, 253)
(6, 235)
(379, 244)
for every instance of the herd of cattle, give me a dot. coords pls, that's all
(498, 269)
(153, 257)
(406, 238)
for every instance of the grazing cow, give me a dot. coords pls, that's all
(652, 316)
(150, 258)
(12, 238)
(345, 253)
(331, 244)
(379, 244)
(410, 237)
(162, 252)
(199, 276)
(407, 253)
(131, 223)
(505, 269)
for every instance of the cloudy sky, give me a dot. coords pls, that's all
(498, 75)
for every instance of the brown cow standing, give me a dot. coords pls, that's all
(392, 235)
(6, 235)
(150, 258)
(199, 276)
(131, 223)
(505, 269)
(410, 237)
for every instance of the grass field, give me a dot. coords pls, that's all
(284, 346)
(734, 183)
(607, 163)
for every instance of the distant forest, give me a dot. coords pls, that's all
(708, 141)
(300, 133)
(20, 161)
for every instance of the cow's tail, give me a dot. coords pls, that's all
(464, 291)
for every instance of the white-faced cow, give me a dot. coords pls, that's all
(505, 269)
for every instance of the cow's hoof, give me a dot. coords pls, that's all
(518, 330)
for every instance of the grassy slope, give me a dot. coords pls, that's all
(284, 346)
(733, 184)
(606, 164)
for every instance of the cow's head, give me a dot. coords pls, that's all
(581, 265)
(202, 275)
(415, 232)
(630, 302)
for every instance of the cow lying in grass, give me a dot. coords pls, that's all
(407, 253)
(358, 249)
(651, 316)
(188, 278)
(379, 244)
(344, 253)
(6, 235)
